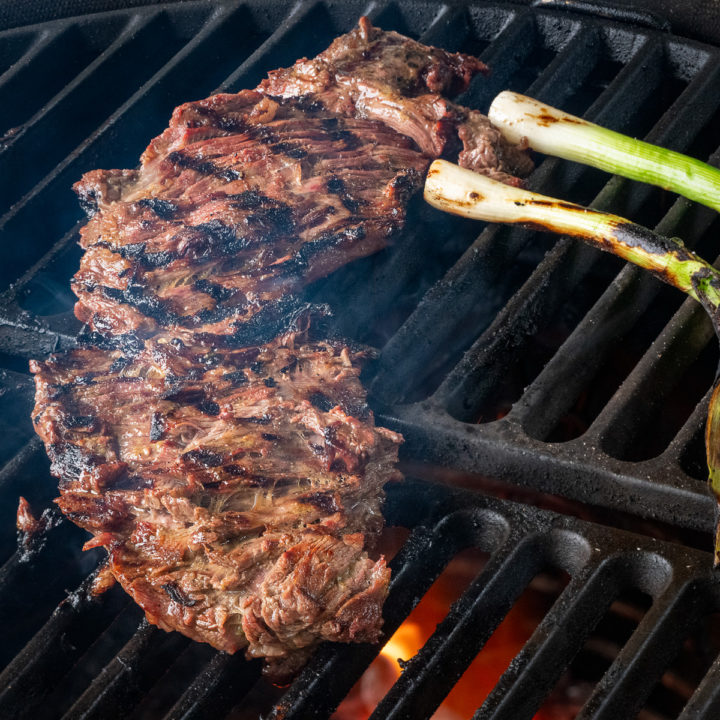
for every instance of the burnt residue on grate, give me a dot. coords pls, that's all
(503, 352)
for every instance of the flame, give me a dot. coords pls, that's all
(403, 645)
(483, 673)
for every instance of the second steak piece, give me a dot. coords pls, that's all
(237, 492)
(247, 197)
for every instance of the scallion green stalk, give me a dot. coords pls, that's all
(554, 132)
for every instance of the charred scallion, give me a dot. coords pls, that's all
(463, 192)
(554, 132)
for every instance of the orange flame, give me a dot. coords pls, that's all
(483, 673)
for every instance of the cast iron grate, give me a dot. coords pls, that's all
(457, 312)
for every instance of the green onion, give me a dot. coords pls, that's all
(554, 132)
(462, 192)
(712, 449)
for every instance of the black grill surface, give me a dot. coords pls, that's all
(505, 354)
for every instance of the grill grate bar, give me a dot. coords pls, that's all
(301, 30)
(652, 379)
(627, 684)
(508, 51)
(217, 687)
(450, 29)
(43, 582)
(18, 46)
(14, 77)
(705, 701)
(429, 676)
(129, 676)
(679, 445)
(558, 638)
(577, 59)
(573, 470)
(34, 149)
(53, 650)
(30, 453)
(118, 140)
(522, 542)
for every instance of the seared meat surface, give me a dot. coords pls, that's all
(237, 491)
(248, 197)
(209, 231)
(229, 465)
(370, 73)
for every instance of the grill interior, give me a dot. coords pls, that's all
(505, 353)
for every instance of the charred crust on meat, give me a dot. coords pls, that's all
(70, 461)
(307, 103)
(193, 397)
(325, 501)
(291, 150)
(258, 420)
(325, 242)
(79, 421)
(290, 366)
(235, 470)
(204, 457)
(208, 407)
(87, 199)
(274, 219)
(133, 482)
(162, 208)
(249, 200)
(119, 364)
(215, 291)
(406, 183)
(180, 159)
(269, 382)
(158, 425)
(151, 261)
(236, 377)
(176, 595)
(231, 174)
(321, 401)
(274, 319)
(219, 236)
(336, 186)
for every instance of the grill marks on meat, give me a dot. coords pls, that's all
(247, 197)
(235, 507)
(241, 221)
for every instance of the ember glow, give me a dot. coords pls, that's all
(483, 673)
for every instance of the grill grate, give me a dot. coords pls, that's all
(458, 315)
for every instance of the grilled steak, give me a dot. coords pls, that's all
(248, 197)
(229, 465)
(237, 491)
